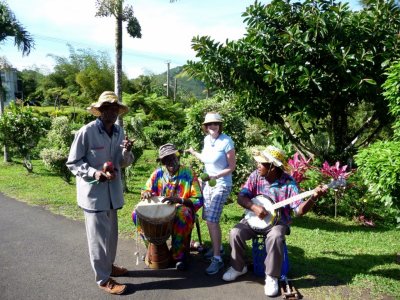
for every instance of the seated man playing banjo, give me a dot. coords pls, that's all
(271, 181)
(179, 186)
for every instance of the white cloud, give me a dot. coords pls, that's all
(167, 30)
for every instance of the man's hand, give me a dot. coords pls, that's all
(100, 176)
(146, 195)
(127, 144)
(172, 200)
(319, 191)
(259, 211)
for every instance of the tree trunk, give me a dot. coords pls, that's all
(339, 127)
(118, 58)
(118, 73)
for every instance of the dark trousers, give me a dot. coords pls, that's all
(274, 242)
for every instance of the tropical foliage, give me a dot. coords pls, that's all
(310, 67)
(58, 142)
(11, 27)
(20, 130)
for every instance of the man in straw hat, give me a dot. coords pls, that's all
(179, 186)
(97, 155)
(271, 180)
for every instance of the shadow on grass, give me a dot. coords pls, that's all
(324, 223)
(324, 271)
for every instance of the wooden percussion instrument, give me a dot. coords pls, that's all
(156, 218)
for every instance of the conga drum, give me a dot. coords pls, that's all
(155, 218)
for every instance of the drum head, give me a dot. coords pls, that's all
(153, 209)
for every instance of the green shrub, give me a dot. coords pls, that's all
(392, 95)
(55, 160)
(160, 132)
(21, 130)
(379, 167)
(59, 139)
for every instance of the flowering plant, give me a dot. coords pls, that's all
(335, 171)
(298, 167)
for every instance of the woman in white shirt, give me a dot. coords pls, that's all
(218, 156)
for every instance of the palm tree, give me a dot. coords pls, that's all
(107, 8)
(10, 27)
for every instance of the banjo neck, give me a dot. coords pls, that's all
(341, 182)
(292, 199)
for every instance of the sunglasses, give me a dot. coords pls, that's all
(213, 123)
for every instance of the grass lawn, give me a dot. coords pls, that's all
(329, 258)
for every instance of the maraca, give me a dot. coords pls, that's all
(108, 168)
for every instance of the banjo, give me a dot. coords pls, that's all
(272, 207)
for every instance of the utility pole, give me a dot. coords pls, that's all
(175, 87)
(168, 62)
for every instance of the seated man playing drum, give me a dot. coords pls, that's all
(179, 186)
(270, 180)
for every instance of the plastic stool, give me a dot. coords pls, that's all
(259, 255)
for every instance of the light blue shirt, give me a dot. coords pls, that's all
(91, 148)
(214, 157)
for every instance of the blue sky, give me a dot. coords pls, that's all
(167, 30)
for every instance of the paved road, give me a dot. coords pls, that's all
(44, 256)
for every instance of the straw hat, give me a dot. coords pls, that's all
(212, 117)
(107, 97)
(272, 155)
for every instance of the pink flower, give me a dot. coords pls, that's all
(335, 171)
(298, 167)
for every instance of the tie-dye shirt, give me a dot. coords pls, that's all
(183, 184)
(283, 188)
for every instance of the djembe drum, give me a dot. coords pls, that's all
(155, 218)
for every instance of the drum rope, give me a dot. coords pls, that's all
(137, 242)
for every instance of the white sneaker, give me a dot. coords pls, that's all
(271, 286)
(231, 274)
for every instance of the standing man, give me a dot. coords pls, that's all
(97, 156)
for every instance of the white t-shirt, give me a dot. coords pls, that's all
(214, 157)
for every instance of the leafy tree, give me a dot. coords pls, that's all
(80, 78)
(107, 8)
(310, 68)
(30, 81)
(21, 130)
(392, 95)
(10, 27)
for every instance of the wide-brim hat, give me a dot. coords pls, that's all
(166, 150)
(272, 155)
(212, 117)
(107, 98)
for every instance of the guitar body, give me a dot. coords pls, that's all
(262, 225)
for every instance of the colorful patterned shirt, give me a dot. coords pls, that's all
(280, 190)
(183, 184)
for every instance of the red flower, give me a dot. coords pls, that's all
(335, 171)
(298, 167)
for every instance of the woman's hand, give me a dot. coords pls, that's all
(190, 150)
